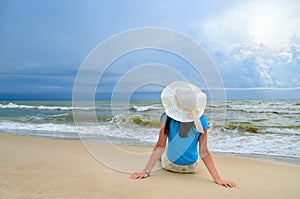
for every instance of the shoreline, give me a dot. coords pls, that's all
(289, 160)
(34, 167)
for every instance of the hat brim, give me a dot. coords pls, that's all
(172, 109)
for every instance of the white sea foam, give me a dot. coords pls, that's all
(277, 108)
(246, 143)
(249, 143)
(41, 107)
(146, 108)
(82, 130)
(60, 128)
(251, 127)
(281, 131)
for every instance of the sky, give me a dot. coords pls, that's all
(255, 44)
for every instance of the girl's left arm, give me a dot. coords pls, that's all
(156, 154)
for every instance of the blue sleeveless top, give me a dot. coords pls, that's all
(183, 151)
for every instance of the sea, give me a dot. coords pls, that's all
(259, 128)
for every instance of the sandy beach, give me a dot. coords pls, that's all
(32, 167)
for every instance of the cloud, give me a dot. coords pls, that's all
(264, 21)
(255, 43)
(258, 66)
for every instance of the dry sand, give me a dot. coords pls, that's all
(33, 167)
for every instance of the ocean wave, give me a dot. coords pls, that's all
(148, 122)
(42, 107)
(65, 117)
(287, 131)
(120, 119)
(280, 112)
(248, 128)
(241, 128)
(71, 108)
(261, 109)
(253, 127)
(10, 126)
(135, 119)
(86, 117)
(83, 131)
(132, 130)
(144, 108)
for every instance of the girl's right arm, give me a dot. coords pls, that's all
(157, 152)
(209, 163)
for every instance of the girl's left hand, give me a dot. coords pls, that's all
(227, 183)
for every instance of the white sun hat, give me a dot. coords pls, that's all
(184, 102)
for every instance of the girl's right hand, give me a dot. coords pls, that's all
(139, 175)
(226, 183)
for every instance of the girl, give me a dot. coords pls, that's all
(185, 127)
